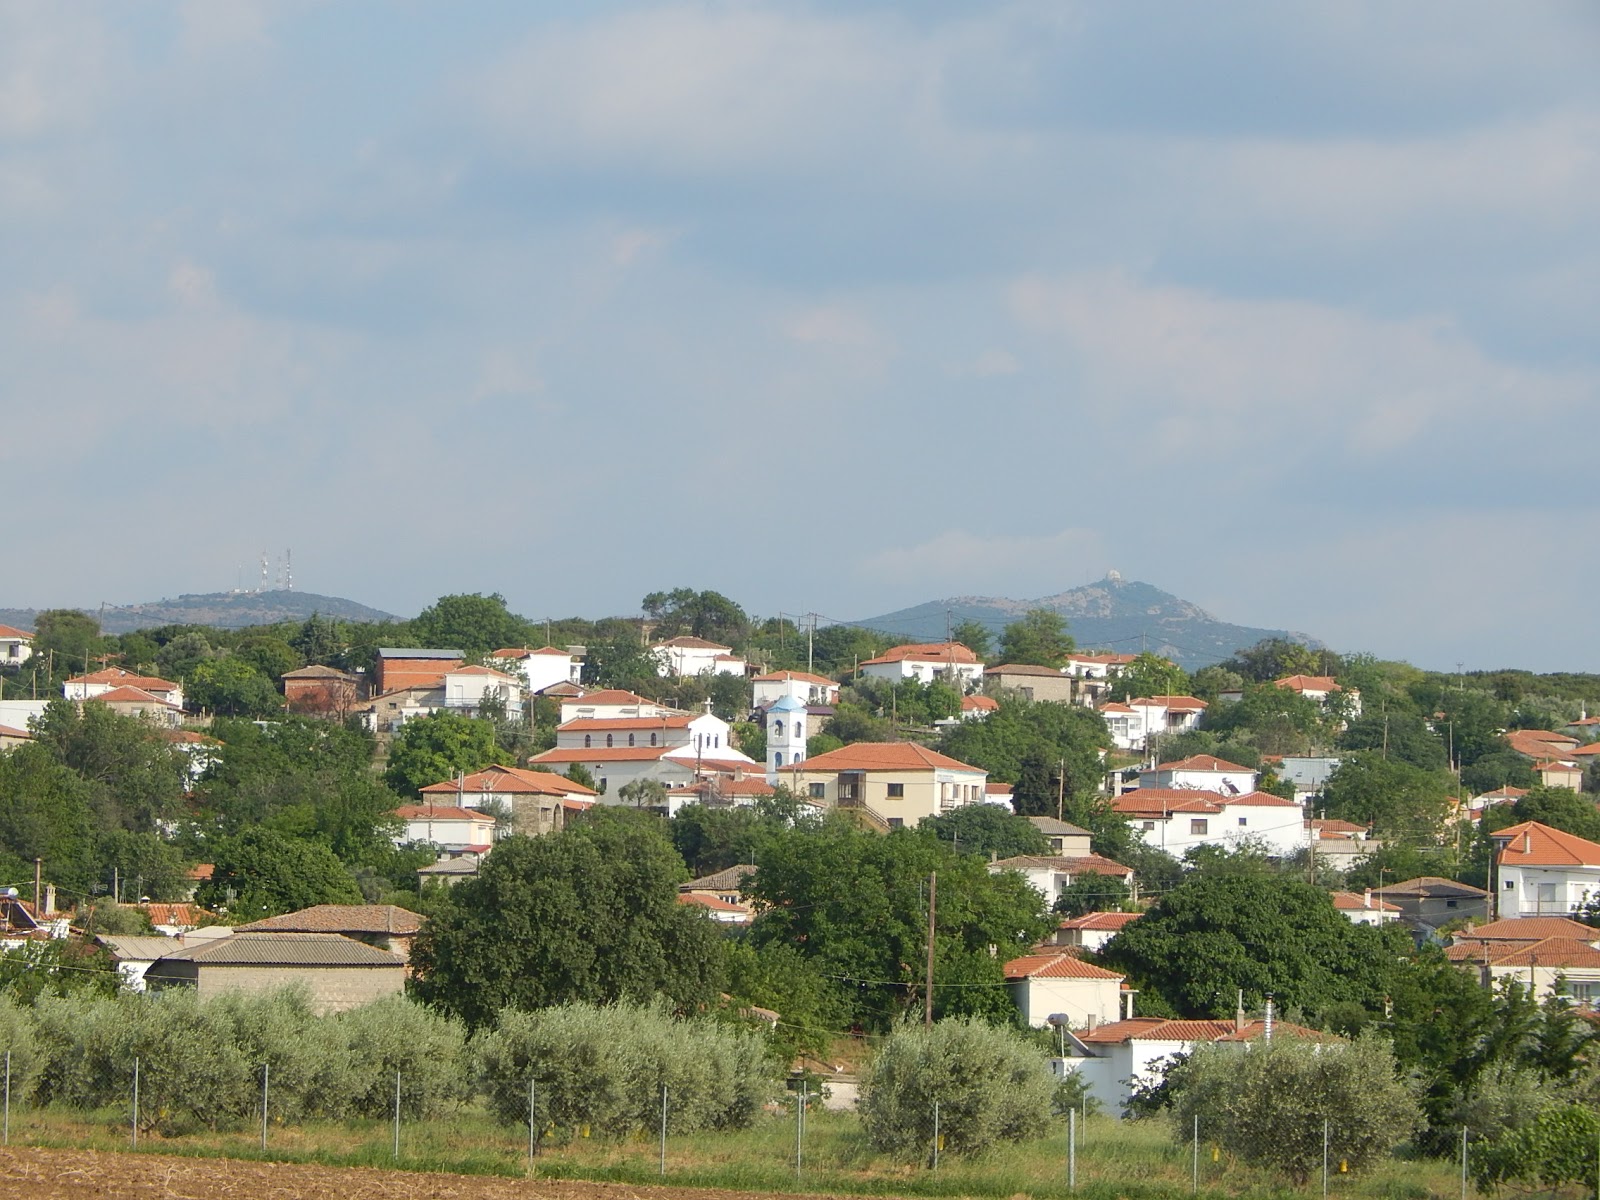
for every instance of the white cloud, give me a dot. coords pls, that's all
(832, 325)
(53, 67)
(1204, 378)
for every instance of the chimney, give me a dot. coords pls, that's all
(994, 856)
(1266, 1024)
(1238, 1014)
(1367, 898)
(49, 898)
(1527, 841)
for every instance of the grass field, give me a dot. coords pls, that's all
(1115, 1158)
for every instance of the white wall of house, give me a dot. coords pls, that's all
(1084, 1002)
(17, 713)
(968, 675)
(1546, 891)
(1281, 831)
(766, 691)
(469, 689)
(15, 650)
(1221, 782)
(1159, 718)
(1114, 1071)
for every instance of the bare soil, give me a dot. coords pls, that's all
(38, 1174)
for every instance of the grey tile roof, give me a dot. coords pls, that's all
(340, 918)
(139, 948)
(728, 879)
(411, 652)
(287, 950)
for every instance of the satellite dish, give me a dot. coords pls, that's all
(11, 893)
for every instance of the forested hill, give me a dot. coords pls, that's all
(1112, 613)
(221, 610)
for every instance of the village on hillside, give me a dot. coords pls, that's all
(1098, 845)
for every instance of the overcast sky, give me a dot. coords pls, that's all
(1290, 309)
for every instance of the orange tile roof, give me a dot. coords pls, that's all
(999, 789)
(883, 756)
(1202, 762)
(511, 781)
(11, 631)
(1115, 706)
(1551, 952)
(607, 697)
(713, 903)
(602, 754)
(796, 676)
(477, 670)
(685, 642)
(1505, 793)
(979, 704)
(1025, 669)
(932, 652)
(1332, 827)
(1308, 683)
(13, 732)
(753, 786)
(1110, 660)
(439, 812)
(1101, 920)
(1088, 864)
(1180, 703)
(130, 695)
(1527, 929)
(190, 915)
(1055, 966)
(1151, 802)
(622, 724)
(1351, 902)
(1156, 1029)
(1531, 844)
(1589, 751)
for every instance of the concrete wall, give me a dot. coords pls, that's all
(333, 989)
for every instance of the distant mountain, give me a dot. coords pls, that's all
(1114, 613)
(220, 610)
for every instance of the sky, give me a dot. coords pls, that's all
(1290, 310)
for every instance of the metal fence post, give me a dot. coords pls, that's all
(799, 1125)
(266, 1074)
(8, 1097)
(663, 1129)
(1194, 1170)
(1464, 1164)
(397, 1114)
(135, 1103)
(530, 1125)
(1324, 1158)
(1072, 1147)
(935, 1135)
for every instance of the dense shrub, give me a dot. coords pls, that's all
(602, 1069)
(990, 1084)
(1266, 1102)
(20, 1039)
(398, 1035)
(309, 1071)
(1557, 1147)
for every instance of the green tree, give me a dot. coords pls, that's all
(474, 624)
(178, 658)
(271, 656)
(1559, 808)
(1057, 733)
(985, 829)
(1093, 893)
(974, 635)
(1399, 801)
(1556, 1148)
(1275, 658)
(709, 615)
(1219, 933)
(990, 1085)
(233, 687)
(1274, 719)
(1269, 1105)
(68, 635)
(1398, 733)
(1503, 768)
(138, 775)
(318, 640)
(46, 811)
(1039, 638)
(854, 903)
(261, 874)
(589, 914)
(439, 747)
(1149, 675)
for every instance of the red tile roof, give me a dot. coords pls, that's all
(1531, 844)
(511, 781)
(11, 631)
(1332, 827)
(1201, 762)
(341, 918)
(607, 698)
(1101, 920)
(439, 812)
(1055, 966)
(883, 756)
(1551, 952)
(1177, 703)
(685, 642)
(1351, 902)
(1110, 660)
(477, 670)
(796, 676)
(979, 704)
(1159, 802)
(130, 695)
(1308, 683)
(1528, 929)
(930, 652)
(12, 732)
(602, 754)
(713, 903)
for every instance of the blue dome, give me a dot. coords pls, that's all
(786, 704)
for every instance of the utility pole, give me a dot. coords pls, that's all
(933, 901)
(1061, 790)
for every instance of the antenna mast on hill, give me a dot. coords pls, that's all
(263, 586)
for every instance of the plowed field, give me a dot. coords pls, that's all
(81, 1175)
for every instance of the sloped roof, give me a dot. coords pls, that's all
(318, 671)
(602, 754)
(1079, 864)
(1528, 929)
(439, 812)
(623, 724)
(1180, 703)
(1051, 827)
(340, 918)
(932, 652)
(1308, 683)
(1101, 920)
(139, 947)
(13, 732)
(1550, 952)
(1351, 902)
(726, 880)
(1531, 844)
(1430, 887)
(1159, 802)
(608, 697)
(1202, 762)
(510, 781)
(127, 694)
(415, 652)
(1161, 1029)
(979, 704)
(1025, 669)
(1055, 966)
(884, 756)
(261, 949)
(685, 642)
(477, 670)
(11, 631)
(795, 676)
(713, 903)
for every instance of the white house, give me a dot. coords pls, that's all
(1550, 955)
(129, 701)
(686, 655)
(1200, 772)
(1061, 984)
(1365, 909)
(610, 703)
(468, 689)
(1113, 1060)
(674, 767)
(1125, 726)
(455, 830)
(1321, 688)
(950, 662)
(801, 685)
(541, 668)
(98, 683)
(976, 708)
(708, 734)
(539, 802)
(1543, 871)
(1092, 674)
(1168, 714)
(16, 646)
(1093, 930)
(1178, 820)
(1051, 874)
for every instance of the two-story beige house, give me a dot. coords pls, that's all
(901, 783)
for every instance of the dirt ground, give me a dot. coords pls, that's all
(81, 1174)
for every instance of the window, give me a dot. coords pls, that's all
(799, 729)
(897, 791)
(816, 790)
(1149, 826)
(777, 759)
(1244, 820)
(587, 741)
(896, 822)
(1199, 828)
(609, 739)
(777, 729)
(630, 742)
(652, 739)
